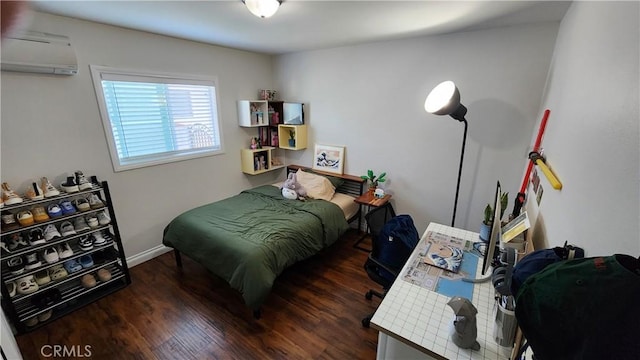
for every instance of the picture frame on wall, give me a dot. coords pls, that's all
(329, 158)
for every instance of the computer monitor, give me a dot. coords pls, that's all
(494, 233)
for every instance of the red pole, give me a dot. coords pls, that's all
(536, 148)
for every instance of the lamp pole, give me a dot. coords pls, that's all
(464, 141)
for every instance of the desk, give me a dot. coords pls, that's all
(369, 200)
(414, 322)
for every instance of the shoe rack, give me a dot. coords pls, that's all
(102, 269)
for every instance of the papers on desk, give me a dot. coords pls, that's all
(443, 251)
(444, 282)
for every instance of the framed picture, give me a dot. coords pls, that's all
(329, 158)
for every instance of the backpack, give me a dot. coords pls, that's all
(582, 309)
(396, 241)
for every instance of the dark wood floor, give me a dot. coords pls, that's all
(313, 312)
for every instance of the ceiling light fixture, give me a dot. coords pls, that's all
(263, 8)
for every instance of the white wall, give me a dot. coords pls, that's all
(51, 125)
(592, 139)
(370, 99)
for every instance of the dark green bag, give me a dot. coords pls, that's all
(585, 308)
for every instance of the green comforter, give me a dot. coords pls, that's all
(250, 238)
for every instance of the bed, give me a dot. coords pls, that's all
(250, 238)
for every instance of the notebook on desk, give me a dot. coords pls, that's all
(443, 251)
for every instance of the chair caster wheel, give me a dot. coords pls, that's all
(365, 323)
(368, 295)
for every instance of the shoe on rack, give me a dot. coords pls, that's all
(95, 202)
(64, 251)
(85, 243)
(92, 221)
(81, 180)
(88, 281)
(9, 197)
(80, 224)
(70, 185)
(39, 214)
(98, 239)
(9, 221)
(25, 218)
(36, 237)
(104, 275)
(5, 248)
(72, 266)
(42, 277)
(45, 316)
(50, 232)
(49, 189)
(32, 261)
(16, 242)
(58, 272)
(95, 182)
(54, 210)
(66, 229)
(11, 289)
(16, 265)
(50, 255)
(27, 285)
(82, 204)
(86, 261)
(34, 192)
(67, 207)
(103, 218)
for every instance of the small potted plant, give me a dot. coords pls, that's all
(292, 138)
(487, 223)
(374, 179)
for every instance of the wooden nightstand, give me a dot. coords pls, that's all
(367, 199)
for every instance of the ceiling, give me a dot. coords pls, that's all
(301, 25)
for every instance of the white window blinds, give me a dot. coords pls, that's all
(153, 119)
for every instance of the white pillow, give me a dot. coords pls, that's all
(317, 186)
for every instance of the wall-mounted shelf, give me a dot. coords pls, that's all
(300, 137)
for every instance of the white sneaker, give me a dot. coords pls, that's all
(66, 229)
(103, 218)
(93, 223)
(49, 189)
(9, 197)
(95, 202)
(27, 285)
(80, 224)
(51, 255)
(83, 183)
(98, 239)
(64, 251)
(50, 232)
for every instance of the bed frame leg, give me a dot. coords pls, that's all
(257, 313)
(178, 258)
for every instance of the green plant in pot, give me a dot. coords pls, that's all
(292, 138)
(374, 179)
(487, 222)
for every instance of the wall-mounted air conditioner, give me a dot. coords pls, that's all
(38, 52)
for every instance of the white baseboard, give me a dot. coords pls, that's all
(147, 255)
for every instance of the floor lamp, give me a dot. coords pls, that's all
(444, 99)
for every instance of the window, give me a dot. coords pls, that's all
(152, 119)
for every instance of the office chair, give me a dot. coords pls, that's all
(378, 266)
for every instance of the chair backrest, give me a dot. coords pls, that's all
(376, 219)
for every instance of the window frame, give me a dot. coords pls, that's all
(156, 159)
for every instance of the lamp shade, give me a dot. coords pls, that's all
(444, 99)
(263, 8)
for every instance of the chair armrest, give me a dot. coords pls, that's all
(385, 267)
